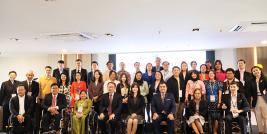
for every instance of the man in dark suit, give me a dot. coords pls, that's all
(236, 107)
(80, 70)
(163, 109)
(245, 77)
(110, 109)
(90, 76)
(53, 103)
(61, 69)
(21, 107)
(32, 89)
(230, 77)
(157, 67)
(8, 89)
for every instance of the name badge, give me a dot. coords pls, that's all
(264, 91)
(154, 93)
(13, 95)
(226, 92)
(212, 98)
(29, 93)
(180, 93)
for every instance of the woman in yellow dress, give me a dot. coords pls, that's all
(81, 110)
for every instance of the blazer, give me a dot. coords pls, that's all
(95, 90)
(242, 103)
(154, 68)
(173, 87)
(34, 87)
(152, 91)
(247, 85)
(191, 109)
(7, 89)
(28, 106)
(116, 104)
(168, 105)
(61, 101)
(183, 83)
(83, 75)
(240, 84)
(56, 74)
(262, 87)
(138, 107)
(90, 77)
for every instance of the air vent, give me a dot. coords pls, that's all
(236, 28)
(83, 36)
(250, 26)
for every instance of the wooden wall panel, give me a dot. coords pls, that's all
(248, 55)
(262, 58)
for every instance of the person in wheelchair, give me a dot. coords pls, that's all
(236, 107)
(81, 110)
(163, 108)
(196, 112)
(110, 109)
(136, 105)
(21, 107)
(214, 97)
(53, 103)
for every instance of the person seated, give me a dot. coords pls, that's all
(110, 109)
(163, 109)
(197, 111)
(81, 110)
(21, 107)
(136, 105)
(53, 103)
(236, 106)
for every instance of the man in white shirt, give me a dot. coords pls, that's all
(21, 107)
(165, 72)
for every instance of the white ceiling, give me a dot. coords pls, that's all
(137, 25)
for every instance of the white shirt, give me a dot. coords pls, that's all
(21, 104)
(166, 74)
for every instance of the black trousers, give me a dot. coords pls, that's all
(48, 119)
(6, 115)
(241, 120)
(113, 124)
(22, 128)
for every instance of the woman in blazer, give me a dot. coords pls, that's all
(136, 105)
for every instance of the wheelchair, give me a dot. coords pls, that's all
(235, 126)
(11, 126)
(52, 127)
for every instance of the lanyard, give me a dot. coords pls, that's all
(212, 87)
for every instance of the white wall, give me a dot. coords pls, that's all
(102, 59)
(228, 57)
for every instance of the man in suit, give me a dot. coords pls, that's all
(110, 109)
(53, 103)
(245, 77)
(174, 87)
(230, 77)
(21, 107)
(236, 107)
(8, 90)
(163, 109)
(32, 89)
(80, 70)
(90, 76)
(157, 67)
(61, 69)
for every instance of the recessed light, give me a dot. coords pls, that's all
(264, 42)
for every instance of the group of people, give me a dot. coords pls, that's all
(160, 92)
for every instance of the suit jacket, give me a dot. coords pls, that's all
(152, 91)
(168, 105)
(183, 82)
(96, 90)
(240, 84)
(247, 85)
(242, 103)
(116, 104)
(138, 107)
(172, 85)
(90, 77)
(61, 101)
(28, 106)
(262, 87)
(34, 87)
(56, 74)
(7, 89)
(203, 108)
(154, 68)
(83, 75)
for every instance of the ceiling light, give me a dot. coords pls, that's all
(264, 42)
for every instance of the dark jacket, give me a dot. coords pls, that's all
(203, 108)
(116, 104)
(83, 75)
(168, 105)
(173, 88)
(138, 107)
(262, 87)
(7, 89)
(183, 83)
(56, 74)
(28, 106)
(242, 103)
(152, 91)
(154, 68)
(34, 88)
(247, 85)
(61, 101)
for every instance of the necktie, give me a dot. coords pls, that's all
(162, 97)
(54, 101)
(110, 104)
(30, 86)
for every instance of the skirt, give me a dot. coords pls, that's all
(138, 117)
(195, 117)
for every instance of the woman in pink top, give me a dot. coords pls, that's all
(193, 84)
(220, 73)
